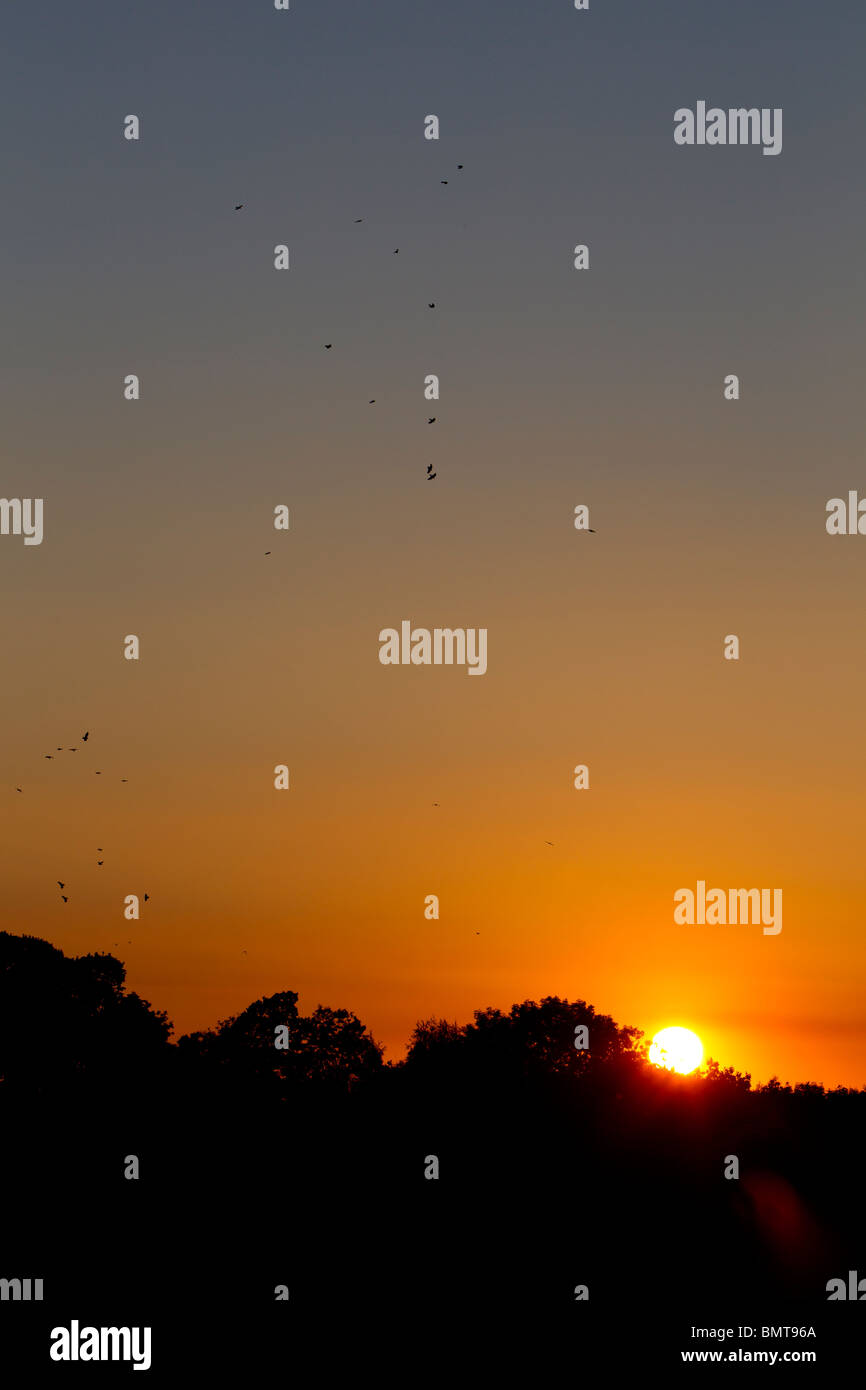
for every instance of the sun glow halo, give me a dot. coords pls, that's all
(676, 1049)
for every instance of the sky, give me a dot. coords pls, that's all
(558, 387)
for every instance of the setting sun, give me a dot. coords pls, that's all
(676, 1049)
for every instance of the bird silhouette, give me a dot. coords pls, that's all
(238, 207)
(99, 863)
(432, 476)
(18, 789)
(432, 420)
(267, 552)
(591, 530)
(50, 757)
(548, 842)
(429, 468)
(431, 306)
(59, 750)
(97, 774)
(459, 166)
(396, 250)
(99, 849)
(64, 897)
(60, 885)
(146, 896)
(358, 219)
(328, 346)
(372, 402)
(85, 737)
(124, 779)
(72, 750)
(435, 803)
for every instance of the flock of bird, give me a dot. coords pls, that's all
(85, 736)
(50, 757)
(328, 346)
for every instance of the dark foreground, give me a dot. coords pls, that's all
(558, 1173)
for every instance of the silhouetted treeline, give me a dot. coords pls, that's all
(67, 1021)
(497, 1141)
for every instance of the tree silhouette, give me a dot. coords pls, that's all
(69, 1021)
(329, 1048)
(532, 1039)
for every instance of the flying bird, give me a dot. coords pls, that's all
(60, 885)
(146, 896)
(431, 476)
(548, 842)
(85, 737)
(372, 402)
(99, 863)
(267, 552)
(432, 420)
(443, 180)
(238, 207)
(18, 789)
(124, 779)
(397, 251)
(97, 774)
(459, 166)
(72, 750)
(50, 757)
(64, 897)
(358, 219)
(431, 306)
(328, 346)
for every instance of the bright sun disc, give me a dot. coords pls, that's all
(677, 1049)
